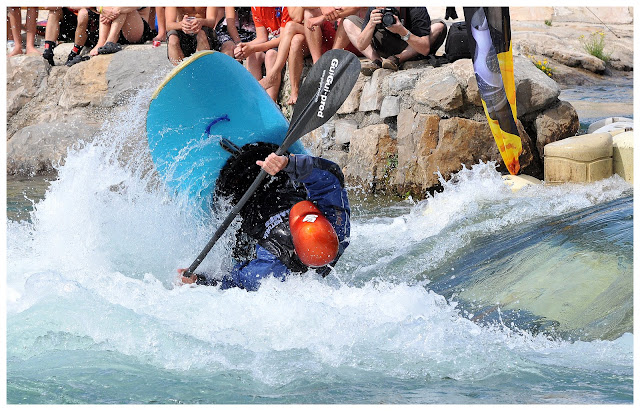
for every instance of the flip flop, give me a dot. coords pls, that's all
(109, 48)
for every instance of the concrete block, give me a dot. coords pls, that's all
(580, 159)
(623, 155)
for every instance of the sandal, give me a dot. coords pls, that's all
(109, 48)
(391, 63)
(368, 69)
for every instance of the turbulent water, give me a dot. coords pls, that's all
(416, 311)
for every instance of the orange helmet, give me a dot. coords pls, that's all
(314, 238)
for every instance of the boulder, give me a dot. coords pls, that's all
(86, 83)
(37, 148)
(321, 138)
(344, 129)
(26, 75)
(556, 123)
(352, 103)
(400, 81)
(125, 75)
(463, 71)
(534, 89)
(438, 89)
(390, 106)
(417, 137)
(364, 154)
(372, 95)
(460, 142)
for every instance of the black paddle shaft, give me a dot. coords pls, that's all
(323, 91)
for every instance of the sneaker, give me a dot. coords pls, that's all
(47, 54)
(368, 68)
(392, 63)
(75, 60)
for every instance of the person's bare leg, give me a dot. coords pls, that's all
(81, 29)
(202, 41)
(174, 50)
(269, 62)
(314, 37)
(51, 33)
(406, 54)
(254, 64)
(162, 25)
(132, 27)
(341, 40)
(353, 32)
(274, 73)
(32, 27)
(299, 51)
(15, 21)
(103, 34)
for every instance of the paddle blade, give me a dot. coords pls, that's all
(323, 91)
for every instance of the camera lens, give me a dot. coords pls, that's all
(388, 19)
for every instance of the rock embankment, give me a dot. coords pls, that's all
(395, 132)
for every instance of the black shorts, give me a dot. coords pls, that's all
(189, 44)
(147, 34)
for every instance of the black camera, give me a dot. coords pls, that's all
(388, 17)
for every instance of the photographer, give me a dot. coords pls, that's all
(397, 35)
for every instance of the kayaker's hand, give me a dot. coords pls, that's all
(186, 280)
(273, 163)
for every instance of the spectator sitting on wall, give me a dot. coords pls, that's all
(190, 29)
(396, 35)
(121, 25)
(14, 17)
(79, 25)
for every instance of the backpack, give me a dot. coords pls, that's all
(457, 44)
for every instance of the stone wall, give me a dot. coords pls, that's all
(393, 134)
(397, 130)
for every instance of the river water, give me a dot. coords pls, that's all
(474, 295)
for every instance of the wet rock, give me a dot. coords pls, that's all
(344, 129)
(556, 123)
(362, 164)
(26, 75)
(124, 76)
(417, 137)
(36, 148)
(460, 141)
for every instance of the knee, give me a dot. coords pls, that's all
(271, 55)
(298, 41)
(83, 16)
(173, 41)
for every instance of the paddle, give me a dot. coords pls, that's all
(323, 91)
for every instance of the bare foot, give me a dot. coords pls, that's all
(269, 80)
(292, 99)
(160, 37)
(32, 51)
(94, 51)
(17, 50)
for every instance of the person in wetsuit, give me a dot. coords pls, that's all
(297, 219)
